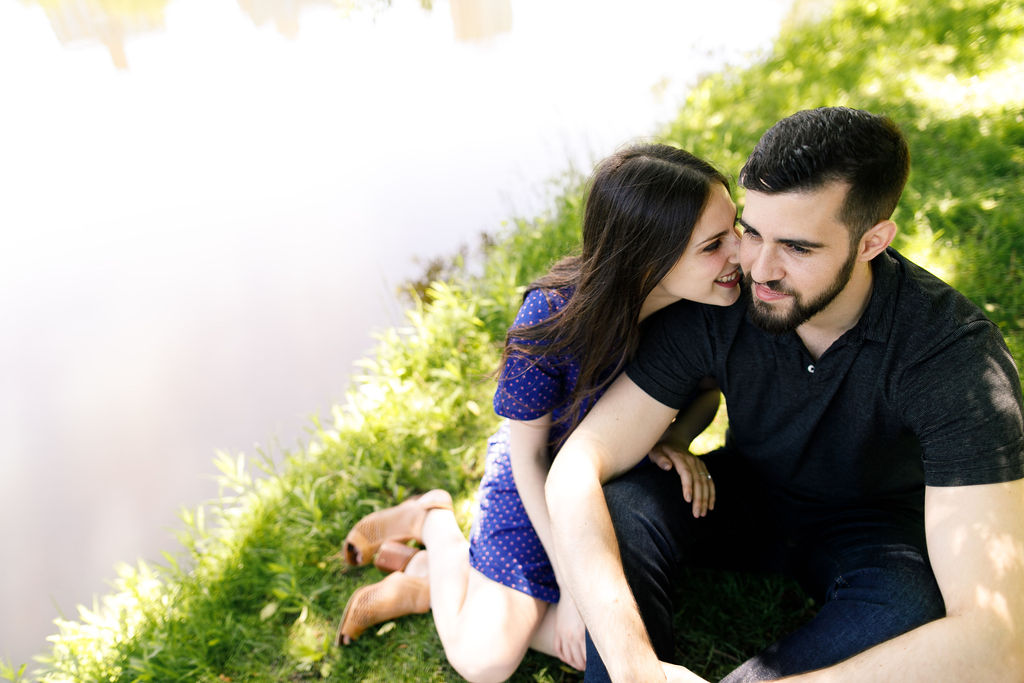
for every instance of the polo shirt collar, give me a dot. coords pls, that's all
(876, 321)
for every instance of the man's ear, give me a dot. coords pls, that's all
(875, 240)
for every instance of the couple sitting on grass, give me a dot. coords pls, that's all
(875, 449)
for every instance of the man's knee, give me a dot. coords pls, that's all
(902, 583)
(643, 500)
(866, 604)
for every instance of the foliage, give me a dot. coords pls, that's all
(256, 594)
(951, 77)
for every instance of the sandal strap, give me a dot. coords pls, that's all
(394, 556)
(400, 522)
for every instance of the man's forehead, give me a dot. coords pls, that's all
(816, 211)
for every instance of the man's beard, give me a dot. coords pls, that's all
(764, 316)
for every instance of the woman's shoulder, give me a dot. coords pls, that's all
(540, 304)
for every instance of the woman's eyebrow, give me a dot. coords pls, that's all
(717, 236)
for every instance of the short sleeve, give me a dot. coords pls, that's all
(673, 356)
(531, 386)
(964, 404)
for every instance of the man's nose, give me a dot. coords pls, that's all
(762, 263)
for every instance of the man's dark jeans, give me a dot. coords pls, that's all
(872, 579)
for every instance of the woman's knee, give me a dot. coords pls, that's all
(493, 631)
(483, 664)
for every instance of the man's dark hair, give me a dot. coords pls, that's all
(812, 148)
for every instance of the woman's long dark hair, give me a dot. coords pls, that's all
(641, 208)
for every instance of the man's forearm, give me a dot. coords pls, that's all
(589, 558)
(948, 649)
(693, 420)
(976, 549)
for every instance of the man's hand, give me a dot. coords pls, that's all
(698, 486)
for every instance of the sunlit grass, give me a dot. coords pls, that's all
(925, 250)
(971, 96)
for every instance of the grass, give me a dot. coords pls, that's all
(254, 592)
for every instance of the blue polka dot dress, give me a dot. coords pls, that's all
(503, 545)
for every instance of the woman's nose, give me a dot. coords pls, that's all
(732, 245)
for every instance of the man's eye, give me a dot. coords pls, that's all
(797, 249)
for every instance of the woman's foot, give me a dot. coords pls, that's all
(395, 596)
(403, 522)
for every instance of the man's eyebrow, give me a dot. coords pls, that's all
(806, 244)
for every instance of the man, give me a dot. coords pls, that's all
(875, 448)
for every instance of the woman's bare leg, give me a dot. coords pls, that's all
(485, 627)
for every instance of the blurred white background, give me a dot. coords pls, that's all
(206, 207)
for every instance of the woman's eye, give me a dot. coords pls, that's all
(713, 246)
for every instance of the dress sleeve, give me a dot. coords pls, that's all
(531, 386)
(964, 404)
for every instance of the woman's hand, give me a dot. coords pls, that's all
(698, 487)
(674, 672)
(570, 633)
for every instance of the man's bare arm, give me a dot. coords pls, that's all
(976, 547)
(693, 420)
(615, 435)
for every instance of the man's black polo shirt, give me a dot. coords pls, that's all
(921, 391)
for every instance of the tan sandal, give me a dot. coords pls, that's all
(396, 595)
(403, 522)
(394, 556)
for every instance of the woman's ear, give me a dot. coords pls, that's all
(875, 240)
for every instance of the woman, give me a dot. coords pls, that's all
(659, 226)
